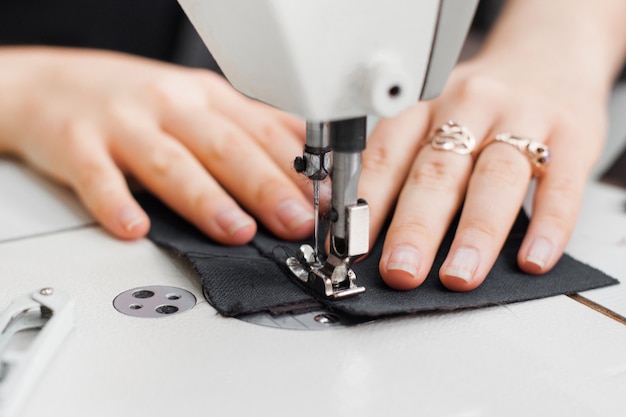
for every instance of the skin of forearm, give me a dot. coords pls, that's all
(7, 91)
(580, 43)
(15, 87)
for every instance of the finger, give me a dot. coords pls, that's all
(229, 101)
(280, 134)
(429, 200)
(100, 185)
(246, 171)
(386, 160)
(557, 202)
(169, 170)
(494, 195)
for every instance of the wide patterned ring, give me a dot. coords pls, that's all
(452, 136)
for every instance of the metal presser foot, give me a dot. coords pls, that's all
(332, 281)
(349, 215)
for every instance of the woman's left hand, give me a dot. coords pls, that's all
(429, 186)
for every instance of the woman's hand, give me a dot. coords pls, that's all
(548, 81)
(490, 184)
(90, 118)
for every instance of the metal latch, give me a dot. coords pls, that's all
(31, 330)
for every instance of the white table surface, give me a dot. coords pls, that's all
(548, 357)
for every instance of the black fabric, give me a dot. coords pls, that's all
(251, 278)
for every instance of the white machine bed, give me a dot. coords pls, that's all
(552, 357)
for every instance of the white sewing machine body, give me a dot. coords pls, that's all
(554, 356)
(334, 59)
(334, 62)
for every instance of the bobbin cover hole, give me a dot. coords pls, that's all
(154, 301)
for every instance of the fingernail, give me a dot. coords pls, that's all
(540, 252)
(404, 258)
(232, 220)
(463, 264)
(130, 218)
(293, 214)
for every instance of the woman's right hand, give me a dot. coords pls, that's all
(89, 119)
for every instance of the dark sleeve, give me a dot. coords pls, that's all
(148, 28)
(486, 14)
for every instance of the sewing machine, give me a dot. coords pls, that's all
(333, 62)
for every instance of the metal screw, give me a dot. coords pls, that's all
(46, 291)
(326, 318)
(299, 164)
(332, 215)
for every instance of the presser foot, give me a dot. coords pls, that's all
(322, 278)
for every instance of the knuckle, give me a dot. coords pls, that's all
(224, 143)
(432, 176)
(557, 218)
(269, 133)
(482, 227)
(503, 170)
(73, 133)
(209, 77)
(122, 116)
(95, 188)
(269, 190)
(174, 91)
(203, 202)
(561, 208)
(481, 87)
(166, 159)
(377, 159)
(162, 92)
(565, 189)
(413, 227)
(91, 177)
(212, 82)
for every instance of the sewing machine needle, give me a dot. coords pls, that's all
(316, 208)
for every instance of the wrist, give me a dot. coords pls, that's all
(561, 46)
(13, 88)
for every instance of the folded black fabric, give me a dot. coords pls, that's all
(252, 278)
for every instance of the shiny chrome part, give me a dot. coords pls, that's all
(346, 172)
(154, 301)
(46, 291)
(357, 226)
(316, 215)
(349, 227)
(315, 164)
(349, 237)
(333, 279)
(318, 319)
(31, 330)
(316, 153)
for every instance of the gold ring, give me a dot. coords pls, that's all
(452, 136)
(538, 154)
